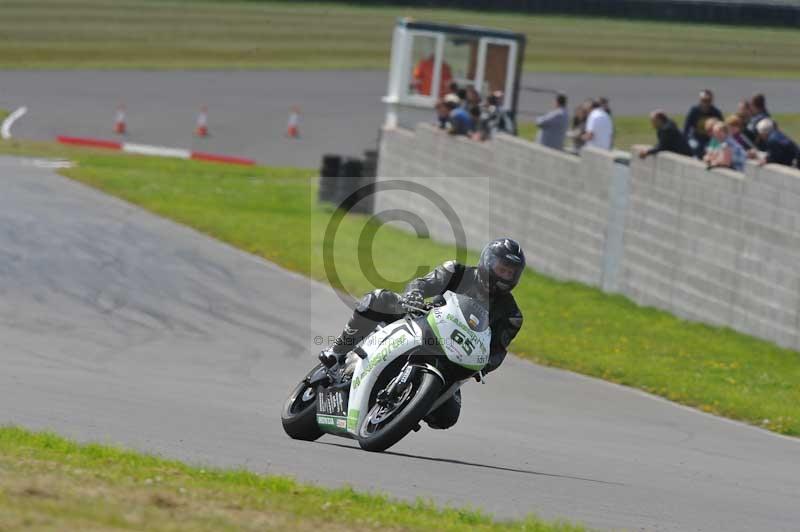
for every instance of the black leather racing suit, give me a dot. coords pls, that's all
(505, 320)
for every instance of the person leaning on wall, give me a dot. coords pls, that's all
(779, 148)
(695, 127)
(599, 128)
(578, 127)
(726, 153)
(669, 136)
(758, 112)
(736, 126)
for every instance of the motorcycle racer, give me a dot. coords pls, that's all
(497, 273)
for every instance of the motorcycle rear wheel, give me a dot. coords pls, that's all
(375, 435)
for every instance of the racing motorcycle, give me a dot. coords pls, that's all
(395, 376)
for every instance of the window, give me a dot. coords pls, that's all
(460, 62)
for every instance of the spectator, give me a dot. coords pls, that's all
(607, 106)
(498, 118)
(479, 130)
(758, 109)
(735, 125)
(553, 125)
(694, 128)
(713, 143)
(442, 114)
(579, 125)
(473, 97)
(727, 153)
(744, 112)
(669, 136)
(443, 109)
(462, 97)
(423, 77)
(599, 128)
(460, 121)
(452, 88)
(452, 92)
(780, 148)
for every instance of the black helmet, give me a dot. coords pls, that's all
(501, 265)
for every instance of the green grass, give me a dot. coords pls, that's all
(631, 130)
(567, 325)
(3, 114)
(47, 34)
(51, 483)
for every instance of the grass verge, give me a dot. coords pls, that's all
(632, 130)
(567, 325)
(175, 34)
(51, 483)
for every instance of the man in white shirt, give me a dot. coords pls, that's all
(599, 128)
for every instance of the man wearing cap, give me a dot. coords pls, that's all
(446, 106)
(780, 149)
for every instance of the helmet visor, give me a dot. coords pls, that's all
(505, 273)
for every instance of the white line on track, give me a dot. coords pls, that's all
(5, 129)
(144, 149)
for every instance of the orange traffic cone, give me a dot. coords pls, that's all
(293, 127)
(119, 121)
(201, 129)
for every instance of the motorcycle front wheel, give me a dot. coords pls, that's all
(299, 414)
(388, 423)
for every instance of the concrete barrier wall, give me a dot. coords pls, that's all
(717, 246)
(553, 202)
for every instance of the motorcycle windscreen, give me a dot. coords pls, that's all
(464, 339)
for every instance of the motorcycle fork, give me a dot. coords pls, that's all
(397, 385)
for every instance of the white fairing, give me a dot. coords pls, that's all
(461, 345)
(382, 347)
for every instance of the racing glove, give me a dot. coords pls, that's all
(413, 298)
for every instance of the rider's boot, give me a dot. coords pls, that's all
(364, 319)
(330, 357)
(335, 354)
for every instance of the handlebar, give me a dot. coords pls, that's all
(424, 308)
(437, 301)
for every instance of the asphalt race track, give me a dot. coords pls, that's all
(341, 110)
(118, 326)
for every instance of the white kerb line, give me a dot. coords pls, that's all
(5, 129)
(144, 149)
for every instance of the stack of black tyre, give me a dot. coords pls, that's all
(346, 181)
